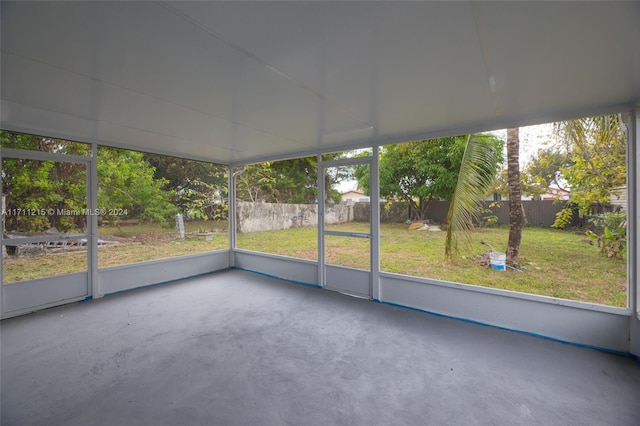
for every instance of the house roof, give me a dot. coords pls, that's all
(353, 192)
(236, 82)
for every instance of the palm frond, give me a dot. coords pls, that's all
(474, 180)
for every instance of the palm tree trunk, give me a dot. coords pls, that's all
(516, 213)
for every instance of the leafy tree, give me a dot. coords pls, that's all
(43, 144)
(255, 182)
(420, 172)
(596, 152)
(544, 171)
(288, 181)
(37, 186)
(537, 176)
(335, 175)
(198, 188)
(295, 180)
(126, 181)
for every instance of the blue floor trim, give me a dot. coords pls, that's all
(528, 333)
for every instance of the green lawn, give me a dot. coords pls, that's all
(555, 263)
(138, 243)
(30, 267)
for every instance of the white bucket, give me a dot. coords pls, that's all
(498, 260)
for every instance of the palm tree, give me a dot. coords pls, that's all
(516, 212)
(475, 178)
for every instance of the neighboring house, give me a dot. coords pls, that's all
(619, 197)
(358, 197)
(355, 196)
(555, 194)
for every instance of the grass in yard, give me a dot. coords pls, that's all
(139, 243)
(160, 231)
(555, 263)
(154, 241)
(348, 252)
(132, 253)
(31, 267)
(24, 268)
(296, 242)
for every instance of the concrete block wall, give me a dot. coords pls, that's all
(254, 217)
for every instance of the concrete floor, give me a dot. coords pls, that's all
(236, 348)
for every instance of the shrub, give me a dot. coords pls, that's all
(613, 241)
(563, 218)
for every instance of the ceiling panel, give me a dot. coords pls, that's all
(244, 81)
(560, 56)
(382, 63)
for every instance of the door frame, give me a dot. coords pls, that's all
(374, 228)
(29, 295)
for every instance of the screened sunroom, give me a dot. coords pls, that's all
(176, 249)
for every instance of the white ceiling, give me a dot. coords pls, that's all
(237, 82)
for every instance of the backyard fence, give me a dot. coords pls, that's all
(538, 212)
(253, 217)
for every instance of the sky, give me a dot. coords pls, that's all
(532, 138)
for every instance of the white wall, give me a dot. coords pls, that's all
(254, 217)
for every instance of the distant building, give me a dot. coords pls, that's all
(619, 197)
(555, 194)
(355, 196)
